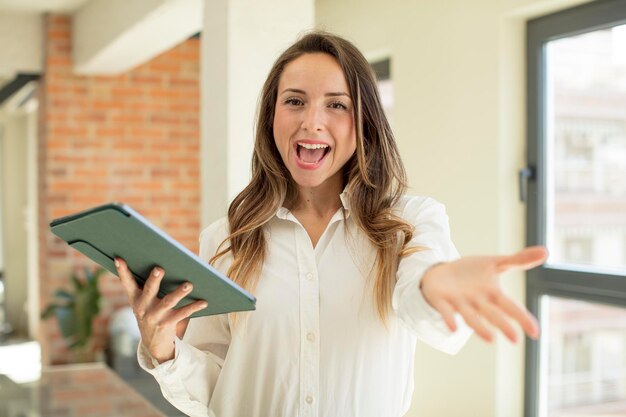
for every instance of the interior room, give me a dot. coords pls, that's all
(511, 113)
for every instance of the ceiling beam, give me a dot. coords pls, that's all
(113, 36)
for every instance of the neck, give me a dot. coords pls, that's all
(320, 201)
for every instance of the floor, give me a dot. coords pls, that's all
(21, 381)
(78, 390)
(128, 369)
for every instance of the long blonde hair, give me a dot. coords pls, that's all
(375, 177)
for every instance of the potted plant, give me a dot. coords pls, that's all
(75, 311)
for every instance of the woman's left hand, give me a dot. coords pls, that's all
(471, 287)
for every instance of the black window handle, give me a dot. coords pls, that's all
(525, 175)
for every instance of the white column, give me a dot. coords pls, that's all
(240, 41)
(14, 202)
(32, 217)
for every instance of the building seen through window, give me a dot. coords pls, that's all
(584, 357)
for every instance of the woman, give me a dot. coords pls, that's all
(348, 272)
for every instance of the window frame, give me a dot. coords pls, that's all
(574, 284)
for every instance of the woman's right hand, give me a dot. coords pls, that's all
(157, 318)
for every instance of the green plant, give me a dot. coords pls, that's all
(75, 310)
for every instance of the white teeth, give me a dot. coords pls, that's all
(316, 146)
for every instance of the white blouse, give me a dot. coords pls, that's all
(315, 345)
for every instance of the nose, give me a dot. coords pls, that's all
(313, 119)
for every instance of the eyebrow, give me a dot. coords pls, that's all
(331, 94)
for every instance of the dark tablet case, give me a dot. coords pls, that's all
(116, 230)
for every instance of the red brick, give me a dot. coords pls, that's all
(134, 138)
(146, 133)
(185, 56)
(166, 119)
(121, 147)
(127, 92)
(165, 171)
(86, 117)
(165, 67)
(128, 118)
(187, 160)
(60, 60)
(61, 48)
(183, 82)
(55, 21)
(110, 132)
(108, 105)
(147, 185)
(91, 172)
(146, 105)
(62, 33)
(127, 171)
(184, 107)
(69, 131)
(145, 79)
(164, 93)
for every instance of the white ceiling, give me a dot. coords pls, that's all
(41, 6)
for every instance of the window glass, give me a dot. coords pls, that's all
(586, 150)
(584, 359)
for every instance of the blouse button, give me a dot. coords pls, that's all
(309, 399)
(309, 276)
(310, 337)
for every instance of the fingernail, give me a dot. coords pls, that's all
(157, 273)
(187, 286)
(117, 263)
(204, 304)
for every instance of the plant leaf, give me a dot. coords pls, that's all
(67, 321)
(78, 284)
(64, 295)
(49, 311)
(76, 310)
(77, 344)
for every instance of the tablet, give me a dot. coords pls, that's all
(116, 230)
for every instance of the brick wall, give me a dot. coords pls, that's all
(132, 138)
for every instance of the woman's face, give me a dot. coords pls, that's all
(314, 120)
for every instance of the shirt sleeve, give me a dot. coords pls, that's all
(188, 380)
(432, 235)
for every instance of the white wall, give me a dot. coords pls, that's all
(20, 37)
(458, 74)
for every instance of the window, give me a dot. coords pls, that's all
(577, 208)
(585, 358)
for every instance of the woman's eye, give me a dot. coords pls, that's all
(294, 101)
(338, 105)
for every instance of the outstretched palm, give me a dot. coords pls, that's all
(471, 287)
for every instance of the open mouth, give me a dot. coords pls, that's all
(312, 154)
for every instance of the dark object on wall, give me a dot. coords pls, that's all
(15, 85)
